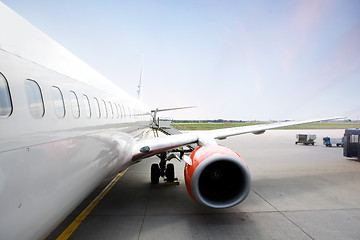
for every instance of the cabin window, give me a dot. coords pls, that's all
(117, 110)
(74, 104)
(5, 98)
(124, 111)
(97, 108)
(111, 110)
(104, 108)
(58, 102)
(121, 111)
(35, 99)
(87, 106)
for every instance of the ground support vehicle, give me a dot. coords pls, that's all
(329, 142)
(306, 139)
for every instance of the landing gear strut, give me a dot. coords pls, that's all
(162, 170)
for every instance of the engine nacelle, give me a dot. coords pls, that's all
(218, 177)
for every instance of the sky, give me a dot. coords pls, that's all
(234, 60)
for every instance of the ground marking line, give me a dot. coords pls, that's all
(79, 219)
(283, 214)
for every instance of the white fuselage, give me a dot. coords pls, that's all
(49, 162)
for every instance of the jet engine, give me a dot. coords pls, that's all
(218, 177)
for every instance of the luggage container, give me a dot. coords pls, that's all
(352, 143)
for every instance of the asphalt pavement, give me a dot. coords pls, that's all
(298, 192)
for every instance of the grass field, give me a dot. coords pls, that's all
(208, 126)
(211, 126)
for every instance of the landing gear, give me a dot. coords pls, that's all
(162, 170)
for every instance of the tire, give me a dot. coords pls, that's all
(155, 173)
(170, 172)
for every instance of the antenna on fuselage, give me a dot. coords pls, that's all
(139, 91)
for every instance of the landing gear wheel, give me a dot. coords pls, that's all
(155, 173)
(170, 173)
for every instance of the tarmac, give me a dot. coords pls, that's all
(298, 192)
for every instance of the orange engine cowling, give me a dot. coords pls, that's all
(218, 177)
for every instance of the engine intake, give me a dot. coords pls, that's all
(218, 177)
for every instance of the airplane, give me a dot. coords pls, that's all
(65, 128)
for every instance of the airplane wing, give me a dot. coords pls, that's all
(149, 147)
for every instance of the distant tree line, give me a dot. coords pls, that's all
(239, 121)
(208, 121)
